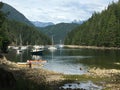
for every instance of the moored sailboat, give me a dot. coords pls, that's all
(52, 47)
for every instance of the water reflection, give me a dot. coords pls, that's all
(59, 62)
(69, 61)
(21, 57)
(36, 57)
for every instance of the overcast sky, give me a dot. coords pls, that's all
(58, 10)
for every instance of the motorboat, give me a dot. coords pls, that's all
(37, 50)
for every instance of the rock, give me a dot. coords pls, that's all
(7, 79)
(1, 56)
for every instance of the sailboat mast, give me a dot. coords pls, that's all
(52, 40)
(20, 40)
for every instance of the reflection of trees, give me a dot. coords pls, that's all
(101, 62)
(99, 58)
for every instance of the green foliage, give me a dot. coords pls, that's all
(11, 29)
(3, 39)
(102, 29)
(58, 31)
(29, 34)
(2, 16)
(13, 14)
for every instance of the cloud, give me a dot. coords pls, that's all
(58, 10)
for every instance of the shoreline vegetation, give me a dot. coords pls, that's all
(91, 47)
(41, 79)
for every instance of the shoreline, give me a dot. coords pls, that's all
(38, 77)
(92, 47)
(52, 79)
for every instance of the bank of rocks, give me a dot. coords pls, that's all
(37, 76)
(112, 77)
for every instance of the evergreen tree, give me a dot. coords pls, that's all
(102, 29)
(3, 39)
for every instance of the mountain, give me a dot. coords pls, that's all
(16, 25)
(77, 21)
(30, 35)
(102, 29)
(42, 24)
(13, 14)
(58, 31)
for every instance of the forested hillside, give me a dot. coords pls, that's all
(102, 29)
(11, 31)
(13, 14)
(58, 31)
(3, 37)
(30, 35)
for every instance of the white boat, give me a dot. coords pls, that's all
(37, 50)
(23, 47)
(52, 47)
(61, 45)
(14, 47)
(38, 46)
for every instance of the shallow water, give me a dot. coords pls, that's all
(81, 85)
(72, 61)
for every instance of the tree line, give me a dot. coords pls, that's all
(102, 29)
(11, 30)
(30, 35)
(3, 38)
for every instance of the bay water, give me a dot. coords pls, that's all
(72, 61)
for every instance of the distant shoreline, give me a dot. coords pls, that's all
(92, 47)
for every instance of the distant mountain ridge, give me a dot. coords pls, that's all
(13, 14)
(58, 31)
(77, 21)
(42, 24)
(45, 24)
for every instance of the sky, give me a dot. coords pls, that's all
(57, 11)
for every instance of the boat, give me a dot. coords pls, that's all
(37, 50)
(31, 63)
(61, 45)
(52, 47)
(36, 61)
(14, 47)
(22, 63)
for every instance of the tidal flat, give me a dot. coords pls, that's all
(36, 79)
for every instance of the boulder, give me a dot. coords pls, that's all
(1, 56)
(7, 79)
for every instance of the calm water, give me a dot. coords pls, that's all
(69, 61)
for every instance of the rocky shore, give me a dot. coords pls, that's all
(111, 76)
(37, 76)
(109, 79)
